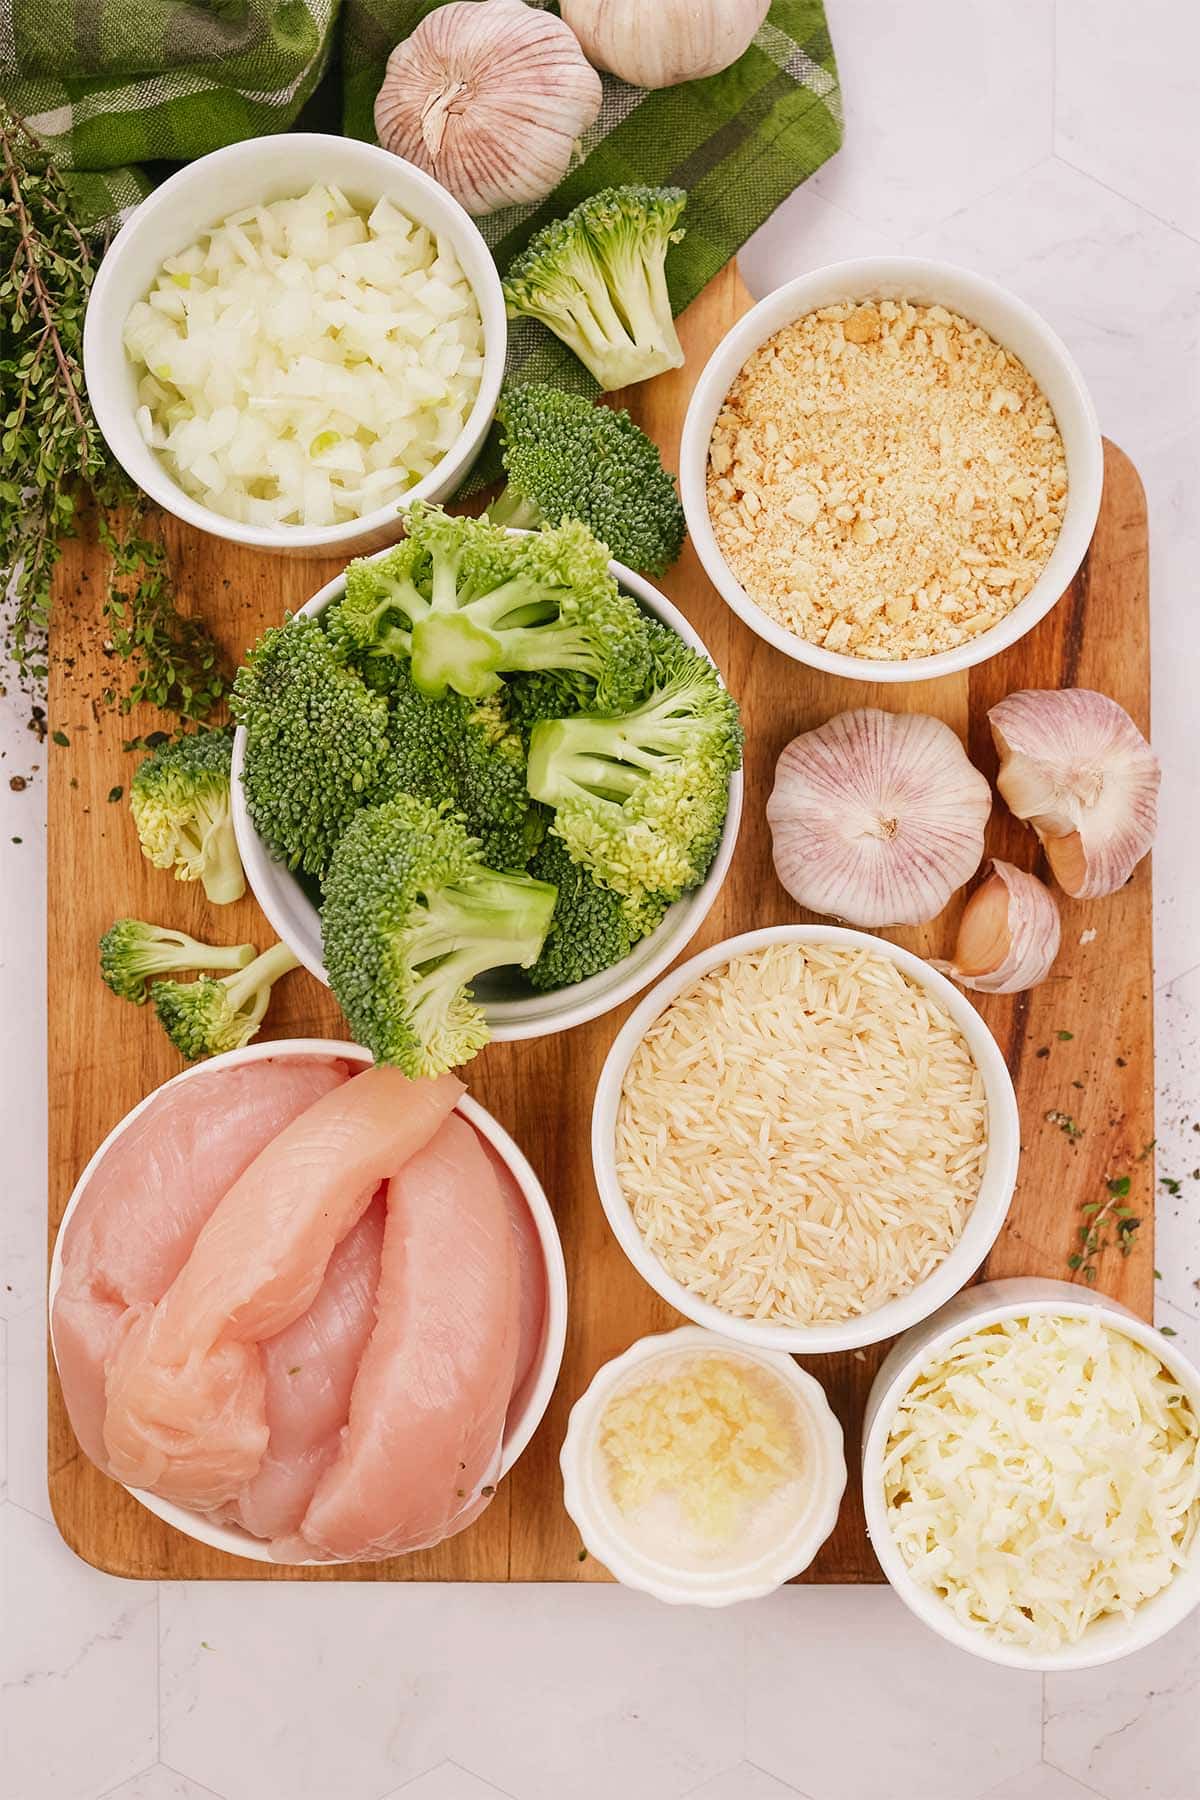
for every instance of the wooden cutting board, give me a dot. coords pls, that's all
(1080, 1046)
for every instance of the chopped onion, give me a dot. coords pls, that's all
(305, 363)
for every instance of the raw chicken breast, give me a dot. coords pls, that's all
(427, 1411)
(309, 1371)
(186, 1387)
(531, 1267)
(140, 1214)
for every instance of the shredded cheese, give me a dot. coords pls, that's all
(1044, 1473)
(717, 1436)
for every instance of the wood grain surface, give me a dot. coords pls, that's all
(1080, 1045)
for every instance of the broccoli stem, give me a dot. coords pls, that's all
(176, 950)
(516, 510)
(223, 878)
(482, 924)
(608, 756)
(249, 989)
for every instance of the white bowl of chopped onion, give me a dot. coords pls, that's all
(805, 1139)
(513, 1009)
(293, 338)
(1031, 1475)
(813, 543)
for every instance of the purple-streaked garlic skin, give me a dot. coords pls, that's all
(1076, 767)
(877, 818)
(1029, 943)
(489, 100)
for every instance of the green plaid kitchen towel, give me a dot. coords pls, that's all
(111, 84)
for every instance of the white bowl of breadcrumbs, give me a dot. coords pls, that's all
(891, 469)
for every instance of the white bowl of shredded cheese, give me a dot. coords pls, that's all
(805, 1138)
(292, 339)
(1031, 1475)
(703, 1471)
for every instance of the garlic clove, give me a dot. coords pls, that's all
(1008, 936)
(672, 41)
(877, 817)
(1076, 767)
(490, 100)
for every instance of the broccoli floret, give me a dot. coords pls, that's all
(547, 696)
(640, 797)
(598, 279)
(206, 1016)
(411, 918)
(568, 459)
(466, 755)
(316, 742)
(131, 952)
(179, 798)
(470, 603)
(593, 927)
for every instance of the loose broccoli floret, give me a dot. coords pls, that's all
(411, 918)
(568, 459)
(316, 742)
(640, 797)
(464, 755)
(598, 279)
(593, 927)
(131, 952)
(206, 1016)
(179, 798)
(469, 603)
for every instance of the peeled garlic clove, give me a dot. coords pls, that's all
(1008, 936)
(488, 99)
(1074, 764)
(877, 817)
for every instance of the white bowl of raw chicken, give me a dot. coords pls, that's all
(529, 1399)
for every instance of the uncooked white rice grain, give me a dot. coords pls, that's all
(802, 1134)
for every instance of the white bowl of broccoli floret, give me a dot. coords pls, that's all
(486, 785)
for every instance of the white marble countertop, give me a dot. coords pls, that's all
(1053, 146)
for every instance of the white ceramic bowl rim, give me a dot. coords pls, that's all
(983, 1223)
(293, 917)
(316, 156)
(721, 1586)
(961, 290)
(528, 1407)
(988, 1304)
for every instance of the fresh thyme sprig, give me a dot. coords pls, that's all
(53, 460)
(1098, 1214)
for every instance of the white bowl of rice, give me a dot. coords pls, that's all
(1031, 1475)
(292, 339)
(805, 1138)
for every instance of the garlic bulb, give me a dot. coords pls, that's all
(659, 45)
(1008, 935)
(1074, 764)
(490, 99)
(877, 817)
